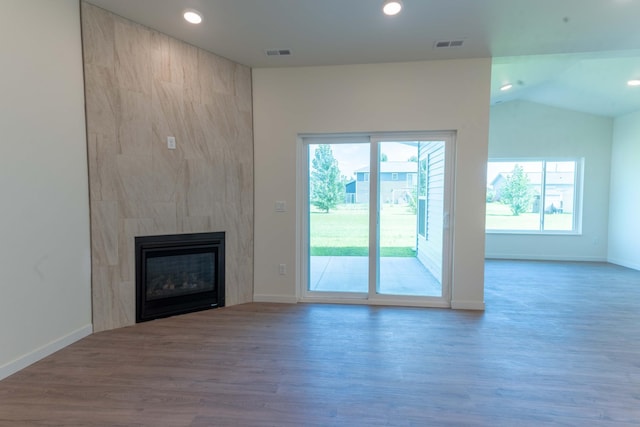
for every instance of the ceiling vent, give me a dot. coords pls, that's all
(447, 43)
(278, 52)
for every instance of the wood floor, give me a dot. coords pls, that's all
(559, 344)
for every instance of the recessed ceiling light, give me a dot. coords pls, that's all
(192, 16)
(392, 7)
(506, 87)
(634, 82)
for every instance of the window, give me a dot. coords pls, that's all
(394, 176)
(366, 177)
(533, 196)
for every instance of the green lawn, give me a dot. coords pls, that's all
(345, 231)
(499, 217)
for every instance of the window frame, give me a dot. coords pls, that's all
(578, 192)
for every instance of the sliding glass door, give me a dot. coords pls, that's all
(375, 218)
(411, 217)
(338, 217)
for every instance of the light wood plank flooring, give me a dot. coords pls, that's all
(559, 344)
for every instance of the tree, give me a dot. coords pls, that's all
(384, 157)
(326, 184)
(413, 158)
(516, 192)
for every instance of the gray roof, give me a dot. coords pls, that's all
(391, 167)
(535, 178)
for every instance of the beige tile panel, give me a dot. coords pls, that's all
(133, 122)
(220, 126)
(168, 108)
(191, 84)
(197, 147)
(163, 214)
(242, 81)
(239, 268)
(196, 224)
(139, 209)
(106, 168)
(201, 187)
(161, 60)
(223, 74)
(216, 76)
(98, 33)
(102, 99)
(168, 173)
(127, 302)
(129, 229)
(133, 56)
(182, 57)
(142, 86)
(136, 178)
(95, 185)
(104, 233)
(106, 299)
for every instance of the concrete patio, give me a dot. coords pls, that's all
(398, 275)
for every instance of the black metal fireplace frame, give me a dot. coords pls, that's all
(175, 244)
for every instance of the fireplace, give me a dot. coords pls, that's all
(178, 273)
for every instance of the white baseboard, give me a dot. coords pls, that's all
(44, 351)
(467, 305)
(624, 263)
(510, 256)
(283, 299)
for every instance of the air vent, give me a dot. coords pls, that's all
(278, 52)
(448, 43)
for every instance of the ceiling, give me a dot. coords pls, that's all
(575, 54)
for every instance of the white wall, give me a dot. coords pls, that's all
(525, 129)
(624, 206)
(418, 96)
(44, 245)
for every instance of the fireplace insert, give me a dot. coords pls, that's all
(178, 273)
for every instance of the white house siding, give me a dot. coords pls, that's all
(430, 245)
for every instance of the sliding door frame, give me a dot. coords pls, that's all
(372, 297)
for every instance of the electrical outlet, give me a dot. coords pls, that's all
(171, 142)
(281, 206)
(282, 269)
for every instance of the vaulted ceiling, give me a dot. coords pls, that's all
(575, 54)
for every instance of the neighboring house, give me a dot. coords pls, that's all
(398, 181)
(350, 190)
(559, 190)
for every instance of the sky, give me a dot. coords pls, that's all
(506, 167)
(352, 157)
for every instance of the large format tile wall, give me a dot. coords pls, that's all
(142, 86)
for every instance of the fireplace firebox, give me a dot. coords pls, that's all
(178, 273)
